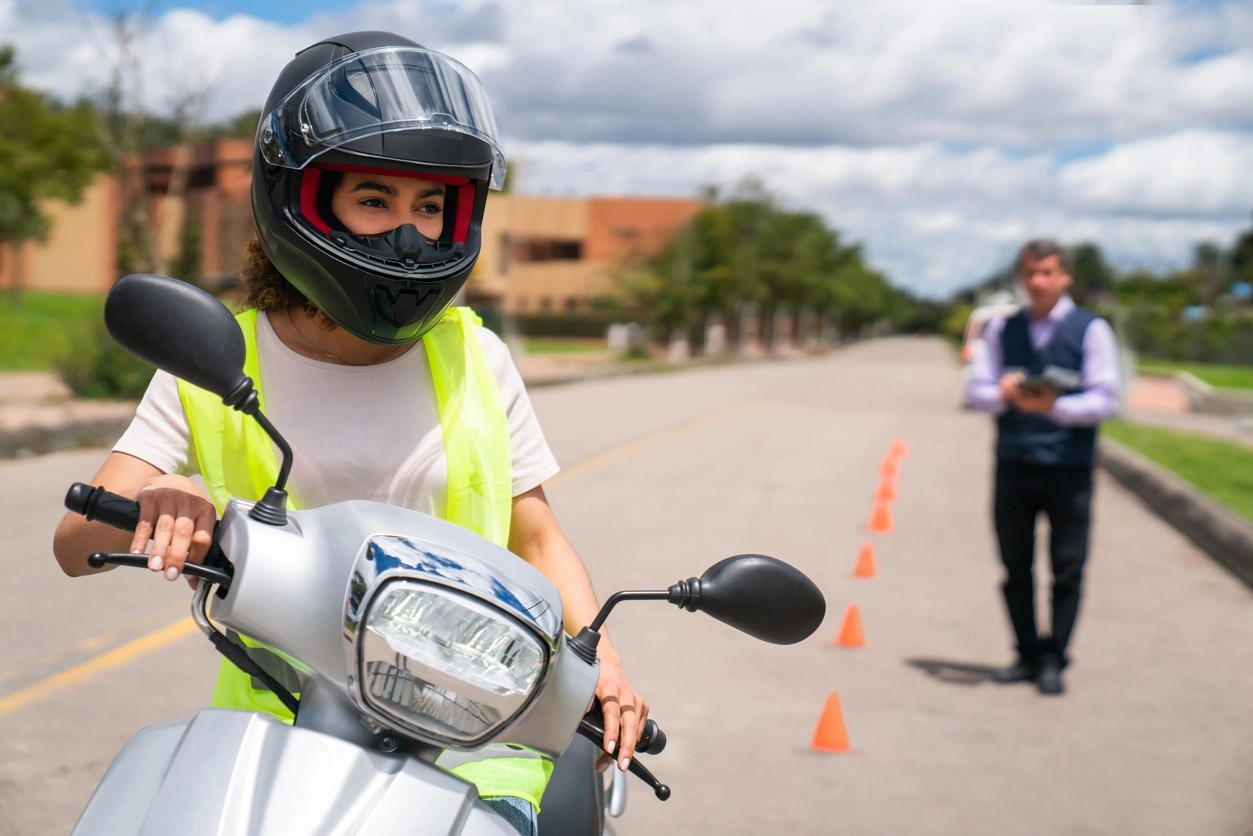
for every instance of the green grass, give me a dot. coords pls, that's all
(571, 346)
(1223, 469)
(1222, 377)
(36, 329)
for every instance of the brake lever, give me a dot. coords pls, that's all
(212, 574)
(595, 732)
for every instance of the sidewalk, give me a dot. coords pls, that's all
(1164, 402)
(38, 414)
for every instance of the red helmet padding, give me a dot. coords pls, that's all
(313, 176)
(309, 199)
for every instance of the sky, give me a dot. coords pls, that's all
(938, 135)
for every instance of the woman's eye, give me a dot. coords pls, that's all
(374, 203)
(430, 209)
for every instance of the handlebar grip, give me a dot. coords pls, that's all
(652, 740)
(98, 504)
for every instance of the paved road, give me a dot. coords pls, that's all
(666, 474)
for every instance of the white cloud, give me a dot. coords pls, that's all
(938, 134)
(936, 218)
(1188, 173)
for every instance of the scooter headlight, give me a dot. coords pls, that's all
(444, 664)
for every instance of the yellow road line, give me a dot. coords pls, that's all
(48, 686)
(91, 644)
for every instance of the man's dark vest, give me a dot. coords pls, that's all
(1037, 439)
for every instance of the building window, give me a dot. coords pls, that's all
(572, 304)
(545, 304)
(529, 250)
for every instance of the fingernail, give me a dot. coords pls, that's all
(613, 744)
(155, 563)
(625, 763)
(171, 574)
(602, 767)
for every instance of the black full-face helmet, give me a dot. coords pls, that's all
(378, 103)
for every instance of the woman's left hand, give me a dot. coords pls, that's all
(625, 712)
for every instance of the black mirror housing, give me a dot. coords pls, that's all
(178, 328)
(758, 595)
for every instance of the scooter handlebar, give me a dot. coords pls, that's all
(95, 503)
(652, 740)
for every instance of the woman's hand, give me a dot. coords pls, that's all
(176, 515)
(625, 713)
(535, 536)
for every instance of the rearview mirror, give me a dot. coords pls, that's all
(759, 595)
(178, 328)
(186, 332)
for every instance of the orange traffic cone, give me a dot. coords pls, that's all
(888, 468)
(880, 519)
(851, 634)
(865, 562)
(830, 735)
(886, 492)
(899, 448)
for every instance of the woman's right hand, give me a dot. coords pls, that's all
(177, 516)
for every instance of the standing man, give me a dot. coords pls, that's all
(1050, 375)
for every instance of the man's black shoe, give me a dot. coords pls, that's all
(1020, 671)
(1049, 680)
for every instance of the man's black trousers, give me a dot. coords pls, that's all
(1064, 494)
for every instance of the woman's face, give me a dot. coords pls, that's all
(372, 204)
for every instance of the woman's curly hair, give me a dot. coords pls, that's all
(263, 287)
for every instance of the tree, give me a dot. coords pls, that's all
(744, 252)
(1093, 277)
(1242, 257)
(46, 152)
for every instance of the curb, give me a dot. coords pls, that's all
(67, 431)
(1223, 534)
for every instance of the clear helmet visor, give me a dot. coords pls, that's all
(379, 91)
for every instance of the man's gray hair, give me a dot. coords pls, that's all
(1041, 248)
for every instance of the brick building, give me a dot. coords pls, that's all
(540, 254)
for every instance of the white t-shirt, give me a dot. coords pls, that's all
(356, 432)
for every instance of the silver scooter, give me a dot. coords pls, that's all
(419, 646)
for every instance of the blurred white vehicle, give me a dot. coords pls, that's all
(999, 307)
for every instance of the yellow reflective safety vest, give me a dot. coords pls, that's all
(237, 460)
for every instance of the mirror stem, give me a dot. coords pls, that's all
(584, 644)
(627, 595)
(284, 468)
(271, 508)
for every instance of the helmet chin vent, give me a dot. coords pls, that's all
(404, 248)
(405, 307)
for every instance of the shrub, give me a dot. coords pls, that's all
(95, 366)
(562, 325)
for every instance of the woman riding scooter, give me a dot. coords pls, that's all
(371, 168)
